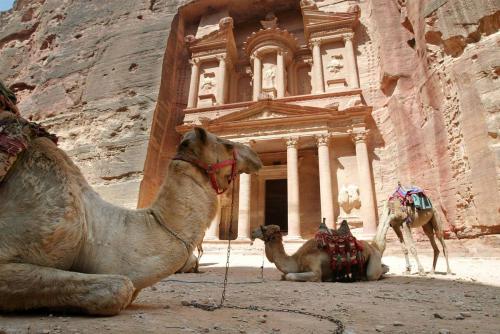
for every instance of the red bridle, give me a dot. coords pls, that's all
(210, 169)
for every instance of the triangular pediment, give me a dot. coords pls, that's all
(267, 110)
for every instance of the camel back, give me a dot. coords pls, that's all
(413, 196)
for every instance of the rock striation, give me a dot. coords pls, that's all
(93, 72)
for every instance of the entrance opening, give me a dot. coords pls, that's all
(276, 204)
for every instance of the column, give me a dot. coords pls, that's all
(221, 82)
(257, 77)
(325, 180)
(193, 85)
(292, 172)
(280, 64)
(213, 230)
(365, 185)
(244, 207)
(319, 86)
(353, 72)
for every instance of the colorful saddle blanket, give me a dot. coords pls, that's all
(15, 135)
(347, 261)
(413, 196)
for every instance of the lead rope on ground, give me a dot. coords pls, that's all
(212, 307)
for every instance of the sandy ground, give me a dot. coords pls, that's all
(467, 302)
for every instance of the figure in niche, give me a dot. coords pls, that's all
(335, 64)
(270, 22)
(269, 77)
(208, 82)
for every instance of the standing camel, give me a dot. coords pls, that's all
(403, 219)
(310, 263)
(63, 247)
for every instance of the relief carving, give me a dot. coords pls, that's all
(270, 22)
(349, 198)
(269, 77)
(335, 64)
(207, 83)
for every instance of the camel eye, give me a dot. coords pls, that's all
(184, 144)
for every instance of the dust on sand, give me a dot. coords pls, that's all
(467, 302)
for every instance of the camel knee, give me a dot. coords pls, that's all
(112, 297)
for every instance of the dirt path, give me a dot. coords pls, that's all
(468, 302)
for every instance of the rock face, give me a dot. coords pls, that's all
(91, 72)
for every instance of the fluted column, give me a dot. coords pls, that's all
(366, 187)
(319, 86)
(353, 73)
(213, 230)
(292, 172)
(244, 207)
(257, 77)
(325, 180)
(280, 64)
(221, 80)
(195, 81)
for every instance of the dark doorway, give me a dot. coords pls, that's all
(276, 204)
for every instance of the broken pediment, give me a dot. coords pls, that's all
(316, 20)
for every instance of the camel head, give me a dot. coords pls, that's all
(266, 233)
(223, 157)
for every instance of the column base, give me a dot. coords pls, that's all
(242, 240)
(293, 238)
(212, 240)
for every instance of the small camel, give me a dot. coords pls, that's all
(396, 215)
(310, 263)
(63, 247)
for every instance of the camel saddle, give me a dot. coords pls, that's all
(346, 253)
(413, 196)
(15, 135)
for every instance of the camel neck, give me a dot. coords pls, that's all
(186, 203)
(379, 240)
(275, 253)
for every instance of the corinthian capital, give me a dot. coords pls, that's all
(359, 136)
(348, 36)
(292, 142)
(194, 61)
(315, 42)
(322, 140)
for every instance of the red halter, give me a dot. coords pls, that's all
(210, 169)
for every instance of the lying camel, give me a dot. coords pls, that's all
(396, 215)
(310, 263)
(63, 247)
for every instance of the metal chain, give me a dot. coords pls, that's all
(213, 307)
(226, 274)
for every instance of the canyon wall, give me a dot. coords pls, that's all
(90, 71)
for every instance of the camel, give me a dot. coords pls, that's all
(396, 215)
(310, 263)
(63, 247)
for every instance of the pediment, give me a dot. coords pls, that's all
(268, 110)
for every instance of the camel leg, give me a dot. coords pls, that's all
(398, 232)
(429, 231)
(310, 276)
(27, 286)
(445, 252)
(374, 267)
(408, 239)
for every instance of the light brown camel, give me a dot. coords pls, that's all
(396, 215)
(310, 263)
(63, 247)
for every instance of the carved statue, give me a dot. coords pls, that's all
(349, 198)
(207, 82)
(270, 22)
(269, 77)
(335, 64)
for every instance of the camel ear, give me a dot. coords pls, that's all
(201, 134)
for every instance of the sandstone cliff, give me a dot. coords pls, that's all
(91, 71)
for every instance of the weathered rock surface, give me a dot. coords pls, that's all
(91, 71)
